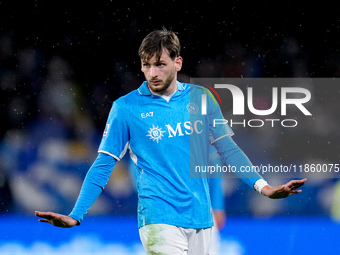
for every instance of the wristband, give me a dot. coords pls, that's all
(259, 184)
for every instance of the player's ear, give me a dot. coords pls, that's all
(178, 63)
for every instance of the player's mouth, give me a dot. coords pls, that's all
(155, 82)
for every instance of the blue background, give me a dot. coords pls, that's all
(119, 235)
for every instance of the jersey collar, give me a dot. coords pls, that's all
(145, 91)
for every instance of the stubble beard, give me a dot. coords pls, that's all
(164, 85)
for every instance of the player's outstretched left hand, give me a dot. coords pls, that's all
(283, 191)
(56, 219)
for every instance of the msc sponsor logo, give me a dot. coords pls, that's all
(179, 129)
(155, 133)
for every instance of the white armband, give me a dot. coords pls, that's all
(259, 184)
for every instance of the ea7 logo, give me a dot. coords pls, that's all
(146, 114)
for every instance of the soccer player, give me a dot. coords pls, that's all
(162, 127)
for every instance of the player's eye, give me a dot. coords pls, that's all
(146, 64)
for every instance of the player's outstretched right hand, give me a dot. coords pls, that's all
(56, 219)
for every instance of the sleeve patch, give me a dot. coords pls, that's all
(106, 129)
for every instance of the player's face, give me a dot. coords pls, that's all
(161, 74)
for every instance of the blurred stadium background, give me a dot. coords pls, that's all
(63, 63)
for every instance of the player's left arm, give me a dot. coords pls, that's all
(233, 155)
(282, 191)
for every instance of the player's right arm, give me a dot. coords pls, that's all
(93, 184)
(56, 219)
(114, 142)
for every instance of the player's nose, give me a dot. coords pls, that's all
(153, 71)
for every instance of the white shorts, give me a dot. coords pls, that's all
(171, 240)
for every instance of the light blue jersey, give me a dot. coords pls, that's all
(161, 135)
(167, 138)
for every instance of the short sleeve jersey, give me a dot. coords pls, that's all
(165, 139)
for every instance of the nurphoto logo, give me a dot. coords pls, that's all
(267, 101)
